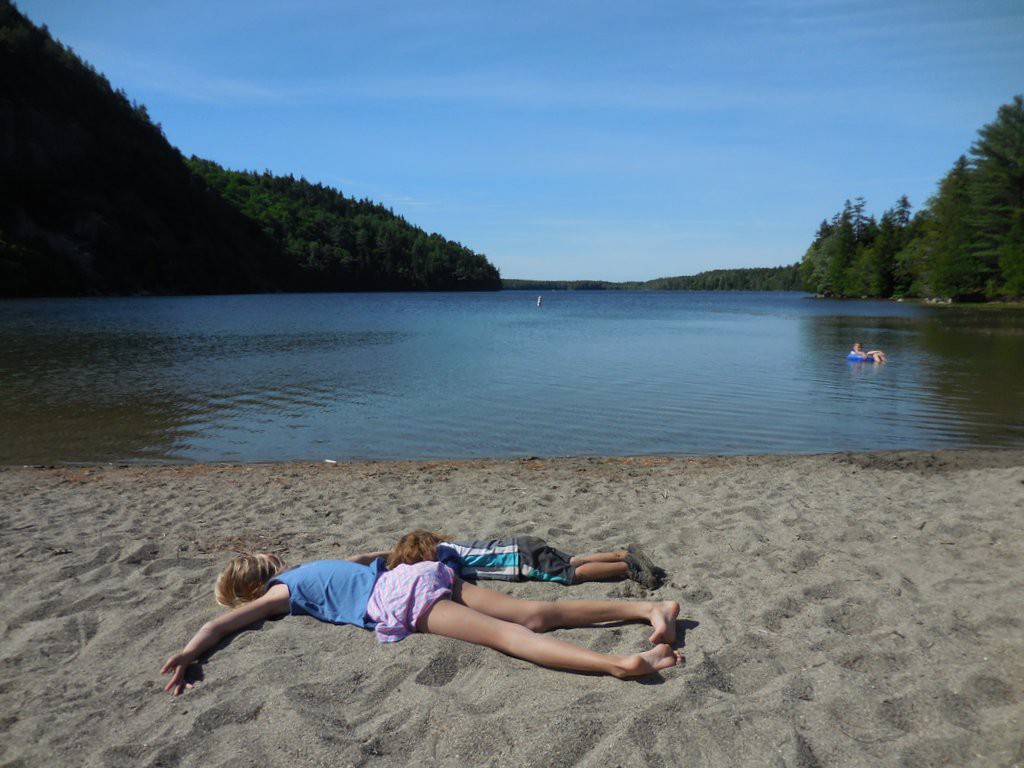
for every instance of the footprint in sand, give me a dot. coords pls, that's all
(787, 608)
(439, 671)
(852, 618)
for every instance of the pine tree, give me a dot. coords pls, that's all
(997, 198)
(950, 236)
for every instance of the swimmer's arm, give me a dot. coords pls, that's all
(366, 558)
(273, 603)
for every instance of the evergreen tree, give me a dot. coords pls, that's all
(967, 243)
(756, 279)
(813, 270)
(997, 198)
(905, 269)
(901, 213)
(950, 238)
(910, 271)
(93, 199)
(342, 244)
(839, 251)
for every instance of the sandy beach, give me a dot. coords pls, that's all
(837, 610)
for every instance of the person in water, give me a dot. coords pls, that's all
(425, 597)
(523, 558)
(875, 355)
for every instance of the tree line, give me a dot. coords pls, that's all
(95, 200)
(339, 243)
(966, 244)
(786, 278)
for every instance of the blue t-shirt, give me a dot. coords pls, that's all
(331, 590)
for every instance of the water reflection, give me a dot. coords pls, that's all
(974, 361)
(257, 378)
(953, 376)
(106, 381)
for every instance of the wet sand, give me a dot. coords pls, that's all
(849, 609)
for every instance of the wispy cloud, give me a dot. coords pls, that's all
(407, 202)
(499, 91)
(140, 72)
(958, 26)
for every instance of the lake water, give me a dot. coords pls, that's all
(354, 376)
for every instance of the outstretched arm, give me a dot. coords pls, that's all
(273, 603)
(366, 558)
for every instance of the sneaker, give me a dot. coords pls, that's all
(641, 569)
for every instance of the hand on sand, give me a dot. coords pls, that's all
(177, 665)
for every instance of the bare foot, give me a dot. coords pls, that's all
(663, 619)
(661, 657)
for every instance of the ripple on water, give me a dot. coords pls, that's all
(446, 375)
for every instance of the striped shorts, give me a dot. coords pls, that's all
(403, 595)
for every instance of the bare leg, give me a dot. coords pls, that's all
(542, 616)
(600, 571)
(600, 566)
(599, 557)
(628, 563)
(461, 622)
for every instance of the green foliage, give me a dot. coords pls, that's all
(997, 200)
(756, 279)
(968, 243)
(339, 243)
(93, 199)
(560, 285)
(951, 238)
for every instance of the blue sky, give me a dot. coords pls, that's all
(570, 139)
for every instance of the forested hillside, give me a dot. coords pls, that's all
(340, 243)
(751, 279)
(94, 200)
(966, 244)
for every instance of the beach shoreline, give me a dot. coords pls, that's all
(837, 609)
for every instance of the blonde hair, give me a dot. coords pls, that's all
(415, 547)
(245, 578)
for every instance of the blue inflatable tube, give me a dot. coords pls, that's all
(855, 358)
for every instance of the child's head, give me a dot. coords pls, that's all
(857, 346)
(416, 547)
(245, 578)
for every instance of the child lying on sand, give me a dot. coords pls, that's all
(523, 558)
(426, 597)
